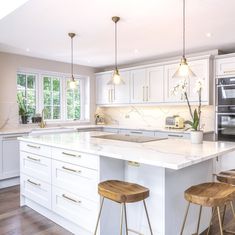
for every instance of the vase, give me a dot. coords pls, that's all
(24, 119)
(196, 137)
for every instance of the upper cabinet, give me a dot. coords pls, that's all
(225, 67)
(153, 85)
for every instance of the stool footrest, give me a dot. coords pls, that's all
(136, 232)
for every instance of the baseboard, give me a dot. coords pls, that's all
(9, 182)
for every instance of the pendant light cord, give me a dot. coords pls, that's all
(72, 58)
(183, 28)
(115, 45)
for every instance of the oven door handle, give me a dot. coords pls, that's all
(229, 114)
(227, 85)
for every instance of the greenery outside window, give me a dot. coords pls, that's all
(26, 87)
(52, 97)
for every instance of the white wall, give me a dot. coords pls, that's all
(152, 116)
(10, 63)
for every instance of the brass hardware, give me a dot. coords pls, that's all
(115, 19)
(33, 146)
(34, 159)
(143, 93)
(42, 123)
(229, 71)
(147, 93)
(70, 199)
(70, 169)
(135, 164)
(71, 155)
(31, 182)
(147, 215)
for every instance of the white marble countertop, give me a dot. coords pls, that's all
(169, 153)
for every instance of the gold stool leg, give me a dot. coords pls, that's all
(97, 224)
(121, 221)
(224, 212)
(199, 219)
(185, 217)
(220, 222)
(208, 230)
(125, 218)
(146, 211)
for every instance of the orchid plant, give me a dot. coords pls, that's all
(181, 88)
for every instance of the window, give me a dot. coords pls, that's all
(26, 88)
(73, 102)
(50, 91)
(52, 97)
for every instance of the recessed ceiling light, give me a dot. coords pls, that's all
(27, 49)
(208, 35)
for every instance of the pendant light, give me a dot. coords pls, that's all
(116, 78)
(184, 71)
(72, 83)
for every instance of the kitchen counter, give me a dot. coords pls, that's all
(70, 165)
(169, 153)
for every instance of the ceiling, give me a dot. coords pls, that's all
(148, 29)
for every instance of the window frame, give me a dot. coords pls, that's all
(84, 83)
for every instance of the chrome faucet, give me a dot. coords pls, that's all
(42, 123)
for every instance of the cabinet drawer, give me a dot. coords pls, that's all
(137, 132)
(36, 166)
(80, 180)
(78, 158)
(178, 135)
(75, 208)
(225, 67)
(36, 190)
(35, 148)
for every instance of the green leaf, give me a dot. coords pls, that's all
(189, 123)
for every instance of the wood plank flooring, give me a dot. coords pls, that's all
(25, 221)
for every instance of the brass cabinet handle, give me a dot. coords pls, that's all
(172, 135)
(34, 159)
(143, 93)
(71, 155)
(33, 146)
(31, 182)
(71, 199)
(147, 93)
(137, 132)
(230, 71)
(70, 169)
(114, 94)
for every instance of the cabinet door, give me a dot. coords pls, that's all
(201, 69)
(225, 67)
(103, 91)
(155, 84)
(11, 158)
(138, 86)
(122, 92)
(171, 83)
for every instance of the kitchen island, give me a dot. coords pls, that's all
(60, 174)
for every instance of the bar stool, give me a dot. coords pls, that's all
(211, 195)
(227, 177)
(122, 192)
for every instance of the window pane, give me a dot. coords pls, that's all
(31, 81)
(47, 112)
(56, 84)
(47, 98)
(69, 98)
(46, 83)
(31, 98)
(21, 81)
(56, 112)
(31, 110)
(56, 98)
(77, 112)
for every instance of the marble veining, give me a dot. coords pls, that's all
(168, 153)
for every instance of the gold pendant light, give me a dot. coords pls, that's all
(184, 71)
(72, 83)
(116, 78)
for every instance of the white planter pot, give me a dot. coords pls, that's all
(196, 137)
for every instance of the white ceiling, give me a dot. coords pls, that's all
(148, 29)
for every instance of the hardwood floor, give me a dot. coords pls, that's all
(23, 221)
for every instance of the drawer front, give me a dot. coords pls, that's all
(225, 67)
(80, 180)
(178, 135)
(36, 149)
(137, 132)
(36, 166)
(81, 159)
(75, 208)
(36, 190)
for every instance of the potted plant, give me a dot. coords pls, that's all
(195, 113)
(22, 108)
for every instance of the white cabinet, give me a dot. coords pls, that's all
(225, 67)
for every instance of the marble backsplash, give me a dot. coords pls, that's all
(152, 116)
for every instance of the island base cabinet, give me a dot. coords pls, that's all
(75, 208)
(37, 190)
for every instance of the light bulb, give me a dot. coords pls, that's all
(116, 78)
(72, 84)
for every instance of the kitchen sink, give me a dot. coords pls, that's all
(129, 138)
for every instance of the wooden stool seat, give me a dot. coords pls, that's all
(210, 194)
(122, 192)
(227, 177)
